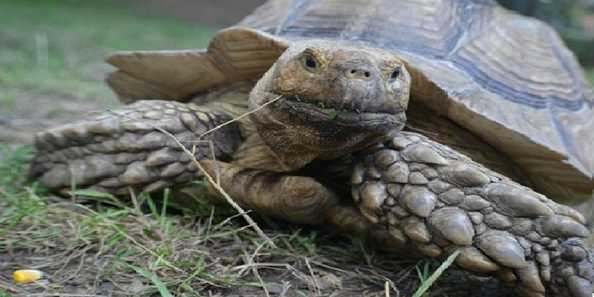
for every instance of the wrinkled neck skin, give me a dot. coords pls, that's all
(314, 117)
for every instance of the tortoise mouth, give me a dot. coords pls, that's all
(344, 115)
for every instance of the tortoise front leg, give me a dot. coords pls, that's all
(126, 148)
(298, 199)
(430, 199)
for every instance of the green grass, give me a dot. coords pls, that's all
(58, 46)
(145, 248)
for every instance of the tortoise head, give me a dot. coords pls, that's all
(324, 99)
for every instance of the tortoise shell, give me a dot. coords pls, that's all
(507, 78)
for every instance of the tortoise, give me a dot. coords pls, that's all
(445, 121)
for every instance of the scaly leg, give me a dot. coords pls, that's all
(125, 148)
(296, 199)
(432, 200)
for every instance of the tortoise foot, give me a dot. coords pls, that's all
(297, 199)
(127, 148)
(429, 199)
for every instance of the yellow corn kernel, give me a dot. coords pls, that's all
(25, 276)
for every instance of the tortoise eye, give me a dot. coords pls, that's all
(395, 74)
(310, 62)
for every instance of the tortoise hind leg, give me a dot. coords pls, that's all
(127, 148)
(432, 200)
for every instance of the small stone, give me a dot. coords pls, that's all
(397, 173)
(474, 202)
(452, 197)
(503, 248)
(423, 154)
(416, 178)
(497, 221)
(452, 224)
(464, 174)
(418, 200)
(416, 230)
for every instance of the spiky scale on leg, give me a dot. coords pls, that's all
(502, 228)
(125, 147)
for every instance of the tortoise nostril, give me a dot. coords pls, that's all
(358, 73)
